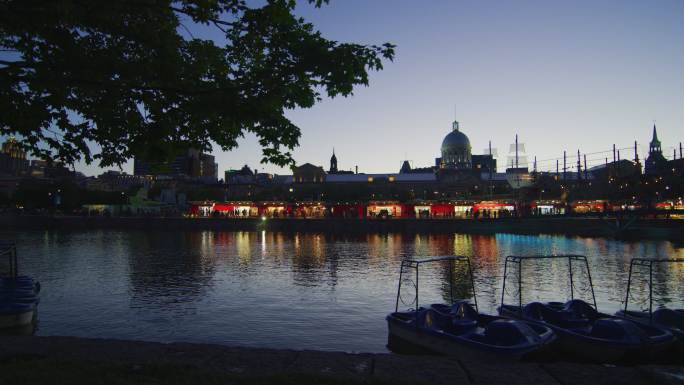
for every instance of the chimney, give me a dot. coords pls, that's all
(357, 170)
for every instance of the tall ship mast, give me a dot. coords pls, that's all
(517, 173)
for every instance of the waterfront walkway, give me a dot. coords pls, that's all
(69, 360)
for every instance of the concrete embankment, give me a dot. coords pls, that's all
(591, 226)
(76, 360)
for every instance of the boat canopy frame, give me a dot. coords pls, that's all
(413, 263)
(512, 259)
(649, 262)
(9, 249)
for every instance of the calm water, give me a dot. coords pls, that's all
(301, 291)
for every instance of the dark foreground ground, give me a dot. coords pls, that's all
(74, 361)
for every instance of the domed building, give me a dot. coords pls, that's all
(456, 150)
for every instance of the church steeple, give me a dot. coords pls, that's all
(333, 163)
(655, 163)
(655, 143)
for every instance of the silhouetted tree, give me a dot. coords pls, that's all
(129, 78)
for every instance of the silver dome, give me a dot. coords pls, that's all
(456, 150)
(455, 139)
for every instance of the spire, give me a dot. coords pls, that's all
(333, 162)
(654, 146)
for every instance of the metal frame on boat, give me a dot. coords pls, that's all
(10, 249)
(415, 264)
(18, 294)
(646, 262)
(459, 329)
(520, 259)
(582, 330)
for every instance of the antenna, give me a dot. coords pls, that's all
(636, 154)
(579, 166)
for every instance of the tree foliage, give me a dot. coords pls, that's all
(108, 80)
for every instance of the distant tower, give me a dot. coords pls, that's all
(654, 146)
(333, 163)
(655, 161)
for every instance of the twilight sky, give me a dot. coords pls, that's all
(563, 75)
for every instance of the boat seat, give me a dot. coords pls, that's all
(506, 332)
(580, 310)
(464, 317)
(431, 319)
(540, 312)
(616, 329)
(551, 314)
(669, 318)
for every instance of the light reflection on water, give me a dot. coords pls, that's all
(301, 291)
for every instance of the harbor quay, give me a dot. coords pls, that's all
(73, 360)
(591, 226)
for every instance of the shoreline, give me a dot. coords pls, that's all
(73, 357)
(656, 229)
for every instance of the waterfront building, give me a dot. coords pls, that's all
(113, 180)
(245, 175)
(43, 169)
(457, 174)
(308, 173)
(623, 168)
(13, 160)
(484, 163)
(208, 168)
(407, 169)
(193, 165)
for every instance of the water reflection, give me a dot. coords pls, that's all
(302, 290)
(170, 271)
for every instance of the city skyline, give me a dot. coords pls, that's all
(562, 76)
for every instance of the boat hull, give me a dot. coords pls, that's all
(433, 342)
(18, 319)
(642, 318)
(598, 350)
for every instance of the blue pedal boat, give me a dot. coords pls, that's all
(459, 329)
(18, 294)
(582, 330)
(669, 319)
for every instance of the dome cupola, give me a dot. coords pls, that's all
(456, 150)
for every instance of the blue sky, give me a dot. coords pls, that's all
(562, 75)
